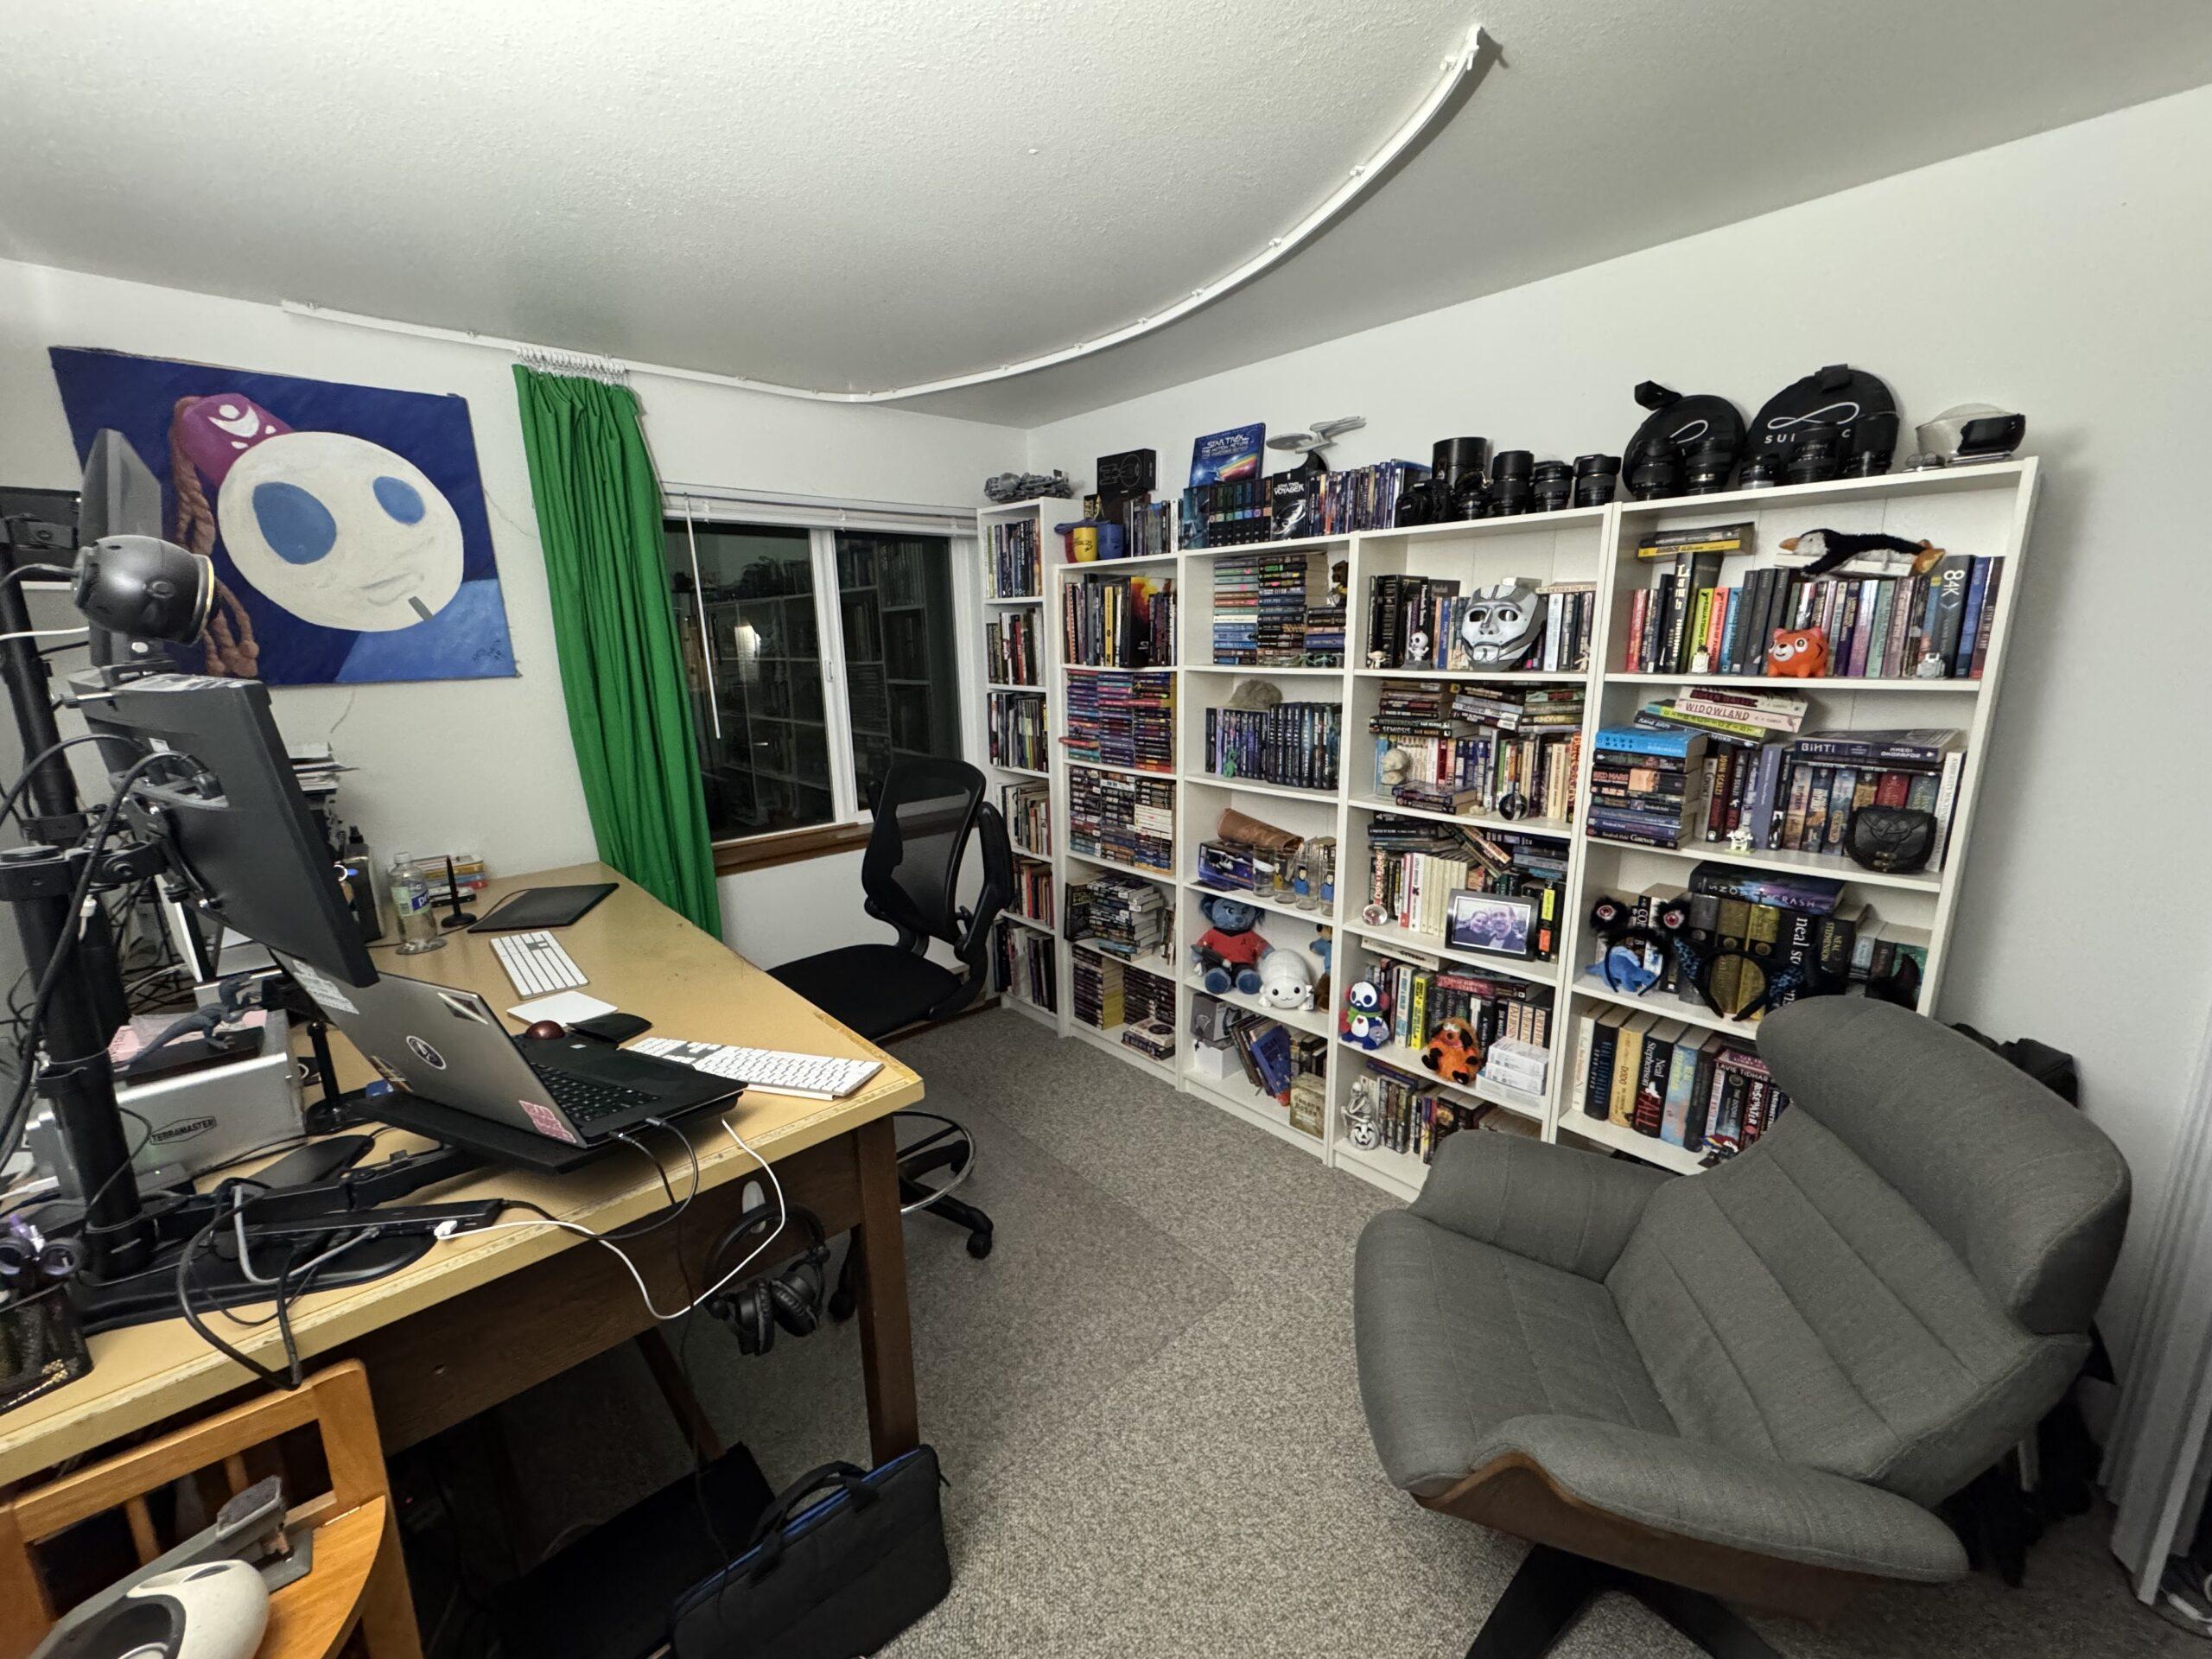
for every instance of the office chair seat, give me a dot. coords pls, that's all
(874, 989)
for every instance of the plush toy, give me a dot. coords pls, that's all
(1797, 654)
(1829, 550)
(1453, 1052)
(1326, 948)
(1229, 951)
(1367, 1013)
(1286, 981)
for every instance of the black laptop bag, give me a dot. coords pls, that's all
(826, 1577)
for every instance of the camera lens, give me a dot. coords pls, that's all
(1762, 471)
(1708, 467)
(1510, 494)
(1874, 442)
(1596, 478)
(1654, 474)
(1553, 482)
(1819, 454)
(1472, 499)
(1453, 459)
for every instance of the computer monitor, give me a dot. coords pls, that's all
(231, 816)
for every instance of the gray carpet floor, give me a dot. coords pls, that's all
(1146, 1402)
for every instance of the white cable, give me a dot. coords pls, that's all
(42, 634)
(1460, 62)
(451, 1230)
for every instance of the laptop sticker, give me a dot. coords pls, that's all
(423, 1052)
(464, 1006)
(548, 1122)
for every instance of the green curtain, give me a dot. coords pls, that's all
(599, 516)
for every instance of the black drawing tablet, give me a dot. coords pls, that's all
(535, 907)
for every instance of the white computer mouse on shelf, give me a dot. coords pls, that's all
(215, 1611)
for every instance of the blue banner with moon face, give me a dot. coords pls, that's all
(347, 524)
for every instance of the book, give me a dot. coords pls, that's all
(1627, 1061)
(1923, 747)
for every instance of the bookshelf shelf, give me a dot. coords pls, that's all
(1526, 524)
(1650, 1148)
(1557, 828)
(1507, 677)
(1143, 562)
(1254, 787)
(1824, 683)
(1314, 1022)
(1983, 511)
(1013, 599)
(1409, 1061)
(1075, 759)
(1272, 905)
(1288, 545)
(1110, 1040)
(1105, 863)
(1389, 939)
(1029, 922)
(995, 685)
(1690, 1013)
(1840, 869)
(1240, 1099)
(1399, 1173)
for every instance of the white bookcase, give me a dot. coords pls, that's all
(1981, 511)
(997, 607)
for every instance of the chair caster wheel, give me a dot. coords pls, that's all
(840, 1307)
(979, 1245)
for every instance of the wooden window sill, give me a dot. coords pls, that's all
(763, 852)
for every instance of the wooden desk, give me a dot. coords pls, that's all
(484, 1316)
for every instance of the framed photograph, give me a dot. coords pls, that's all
(1491, 922)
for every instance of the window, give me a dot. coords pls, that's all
(816, 658)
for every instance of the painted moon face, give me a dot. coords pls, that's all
(340, 531)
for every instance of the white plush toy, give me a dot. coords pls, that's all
(1286, 980)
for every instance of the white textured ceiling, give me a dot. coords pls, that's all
(859, 195)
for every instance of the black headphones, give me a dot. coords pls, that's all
(790, 1295)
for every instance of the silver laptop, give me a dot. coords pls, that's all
(449, 1046)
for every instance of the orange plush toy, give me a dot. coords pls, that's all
(1797, 654)
(1453, 1052)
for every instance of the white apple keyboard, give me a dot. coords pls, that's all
(535, 964)
(816, 1077)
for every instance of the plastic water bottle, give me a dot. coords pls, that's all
(410, 907)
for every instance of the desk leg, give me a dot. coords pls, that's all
(886, 1336)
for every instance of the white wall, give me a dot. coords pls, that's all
(2063, 275)
(488, 763)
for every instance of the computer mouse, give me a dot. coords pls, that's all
(546, 1030)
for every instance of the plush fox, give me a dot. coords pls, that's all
(1797, 654)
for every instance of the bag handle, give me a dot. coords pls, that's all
(768, 1535)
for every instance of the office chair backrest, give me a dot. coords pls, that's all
(924, 813)
(1894, 1283)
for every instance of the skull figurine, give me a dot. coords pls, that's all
(1503, 623)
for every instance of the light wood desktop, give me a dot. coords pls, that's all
(482, 1317)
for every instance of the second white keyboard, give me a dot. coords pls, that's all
(816, 1077)
(535, 964)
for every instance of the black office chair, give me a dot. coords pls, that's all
(926, 812)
